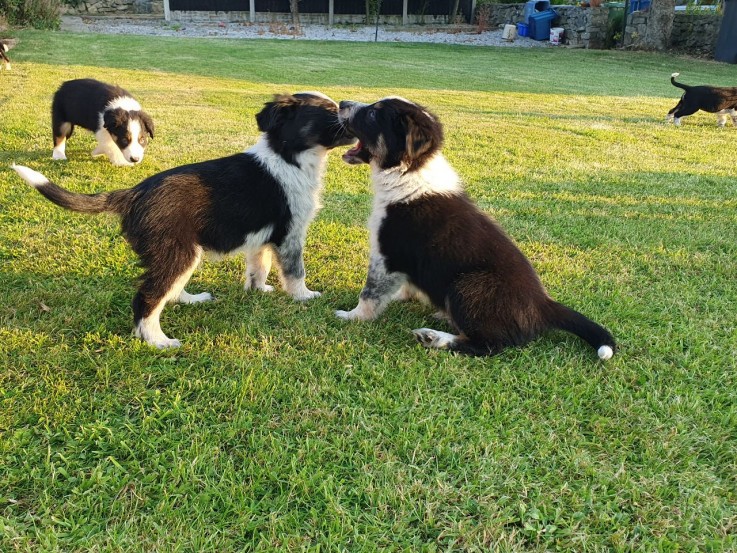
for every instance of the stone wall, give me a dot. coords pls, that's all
(584, 27)
(694, 34)
(115, 7)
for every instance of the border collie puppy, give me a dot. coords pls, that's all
(427, 235)
(719, 100)
(120, 125)
(255, 202)
(4, 47)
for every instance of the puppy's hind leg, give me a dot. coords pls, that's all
(722, 117)
(163, 283)
(437, 339)
(733, 115)
(682, 112)
(669, 117)
(62, 131)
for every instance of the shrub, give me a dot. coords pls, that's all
(41, 14)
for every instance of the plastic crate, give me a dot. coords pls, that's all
(522, 29)
(532, 7)
(540, 24)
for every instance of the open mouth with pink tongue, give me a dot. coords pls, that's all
(356, 155)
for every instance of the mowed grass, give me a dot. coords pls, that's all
(277, 426)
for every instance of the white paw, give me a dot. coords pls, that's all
(433, 338)
(305, 295)
(164, 343)
(195, 298)
(263, 287)
(345, 315)
(123, 163)
(352, 315)
(59, 156)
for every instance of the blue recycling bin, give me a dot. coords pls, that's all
(540, 23)
(532, 7)
(639, 5)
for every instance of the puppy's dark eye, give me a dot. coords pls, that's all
(142, 140)
(372, 115)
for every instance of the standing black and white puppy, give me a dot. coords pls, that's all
(426, 234)
(121, 127)
(256, 202)
(719, 100)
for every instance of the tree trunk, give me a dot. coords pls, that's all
(294, 9)
(454, 11)
(659, 25)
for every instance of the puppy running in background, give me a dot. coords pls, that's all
(255, 202)
(121, 127)
(719, 100)
(426, 234)
(5, 45)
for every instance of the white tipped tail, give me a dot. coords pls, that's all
(33, 178)
(605, 352)
(674, 75)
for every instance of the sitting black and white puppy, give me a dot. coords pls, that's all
(121, 127)
(719, 100)
(255, 202)
(5, 45)
(426, 234)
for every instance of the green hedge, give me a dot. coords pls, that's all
(41, 14)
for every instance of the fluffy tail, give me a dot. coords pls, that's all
(565, 318)
(112, 202)
(674, 83)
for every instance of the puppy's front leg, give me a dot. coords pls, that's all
(292, 270)
(378, 291)
(258, 265)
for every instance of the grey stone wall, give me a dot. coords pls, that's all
(694, 34)
(115, 7)
(584, 27)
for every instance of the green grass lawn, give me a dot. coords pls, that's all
(278, 427)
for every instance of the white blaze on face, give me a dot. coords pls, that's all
(134, 151)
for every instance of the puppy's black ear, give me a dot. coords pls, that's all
(115, 118)
(273, 113)
(148, 123)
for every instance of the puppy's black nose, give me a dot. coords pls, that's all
(134, 159)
